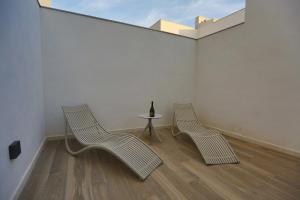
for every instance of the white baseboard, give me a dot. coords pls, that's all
(56, 137)
(28, 171)
(232, 134)
(262, 143)
(51, 137)
(139, 129)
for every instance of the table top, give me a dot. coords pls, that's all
(146, 116)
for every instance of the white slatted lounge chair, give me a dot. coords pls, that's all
(213, 147)
(137, 155)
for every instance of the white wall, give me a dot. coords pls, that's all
(21, 91)
(248, 77)
(246, 80)
(117, 69)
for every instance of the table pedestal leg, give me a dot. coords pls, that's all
(151, 130)
(146, 128)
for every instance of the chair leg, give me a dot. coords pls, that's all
(173, 127)
(74, 153)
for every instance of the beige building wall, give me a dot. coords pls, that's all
(171, 27)
(203, 26)
(46, 3)
(248, 77)
(200, 21)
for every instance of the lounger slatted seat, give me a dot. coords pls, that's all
(137, 155)
(213, 147)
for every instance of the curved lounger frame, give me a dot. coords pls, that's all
(211, 144)
(133, 152)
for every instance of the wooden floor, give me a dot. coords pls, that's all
(262, 174)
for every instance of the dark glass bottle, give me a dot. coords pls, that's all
(152, 111)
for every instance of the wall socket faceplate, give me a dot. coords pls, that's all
(14, 149)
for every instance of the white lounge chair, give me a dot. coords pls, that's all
(137, 155)
(213, 147)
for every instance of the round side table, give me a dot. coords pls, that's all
(150, 125)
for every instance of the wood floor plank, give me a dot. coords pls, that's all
(54, 187)
(70, 178)
(97, 175)
(168, 186)
(40, 172)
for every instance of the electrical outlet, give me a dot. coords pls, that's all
(14, 149)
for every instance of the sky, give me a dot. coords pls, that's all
(145, 13)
